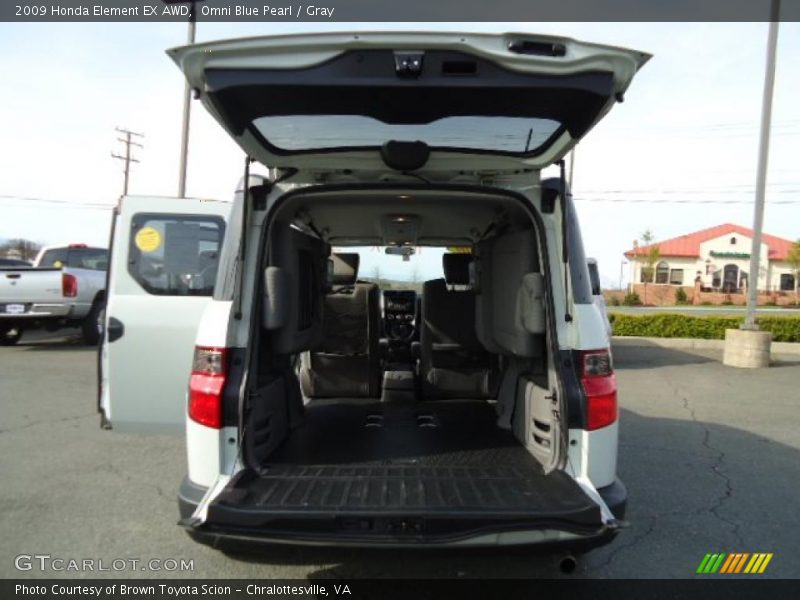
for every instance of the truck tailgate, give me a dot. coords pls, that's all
(27, 285)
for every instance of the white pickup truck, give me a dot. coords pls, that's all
(64, 287)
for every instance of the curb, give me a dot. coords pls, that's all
(701, 344)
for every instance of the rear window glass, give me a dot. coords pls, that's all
(175, 255)
(88, 258)
(81, 258)
(497, 134)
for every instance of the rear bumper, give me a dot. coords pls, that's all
(615, 496)
(38, 312)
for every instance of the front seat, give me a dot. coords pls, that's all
(453, 363)
(347, 362)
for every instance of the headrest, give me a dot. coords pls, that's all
(456, 268)
(345, 268)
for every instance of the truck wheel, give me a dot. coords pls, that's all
(10, 336)
(89, 325)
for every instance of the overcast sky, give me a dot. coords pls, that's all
(687, 131)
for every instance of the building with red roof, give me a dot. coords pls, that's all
(719, 256)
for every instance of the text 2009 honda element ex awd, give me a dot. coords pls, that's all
(331, 401)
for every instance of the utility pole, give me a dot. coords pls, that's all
(187, 100)
(761, 172)
(128, 141)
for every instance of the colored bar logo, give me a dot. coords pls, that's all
(735, 562)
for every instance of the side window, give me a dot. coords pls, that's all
(57, 257)
(175, 255)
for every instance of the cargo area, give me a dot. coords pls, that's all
(369, 468)
(393, 402)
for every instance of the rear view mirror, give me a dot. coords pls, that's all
(405, 251)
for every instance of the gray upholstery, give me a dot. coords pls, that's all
(453, 362)
(510, 307)
(293, 298)
(347, 361)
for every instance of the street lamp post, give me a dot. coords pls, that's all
(748, 347)
(761, 173)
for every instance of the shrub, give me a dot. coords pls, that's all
(681, 297)
(784, 329)
(632, 299)
(614, 301)
(706, 303)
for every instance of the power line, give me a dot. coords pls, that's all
(676, 201)
(127, 158)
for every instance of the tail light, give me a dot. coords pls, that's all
(600, 386)
(69, 285)
(206, 385)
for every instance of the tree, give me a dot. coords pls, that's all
(651, 254)
(793, 258)
(20, 248)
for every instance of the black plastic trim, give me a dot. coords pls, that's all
(233, 384)
(189, 496)
(616, 498)
(365, 82)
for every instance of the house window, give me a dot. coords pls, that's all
(733, 241)
(787, 282)
(676, 276)
(662, 272)
(646, 275)
(716, 279)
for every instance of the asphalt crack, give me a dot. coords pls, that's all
(717, 468)
(621, 546)
(37, 423)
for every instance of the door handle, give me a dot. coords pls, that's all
(115, 329)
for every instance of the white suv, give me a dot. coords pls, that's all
(478, 408)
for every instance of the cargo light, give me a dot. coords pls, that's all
(206, 385)
(600, 386)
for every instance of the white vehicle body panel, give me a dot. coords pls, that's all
(145, 372)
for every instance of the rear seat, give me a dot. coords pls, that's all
(347, 362)
(453, 362)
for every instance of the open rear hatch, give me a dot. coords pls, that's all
(434, 472)
(326, 102)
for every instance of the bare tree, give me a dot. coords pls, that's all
(793, 258)
(651, 254)
(24, 249)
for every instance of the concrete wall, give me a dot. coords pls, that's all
(664, 295)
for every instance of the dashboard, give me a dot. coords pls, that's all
(399, 313)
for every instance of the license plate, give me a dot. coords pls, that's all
(15, 309)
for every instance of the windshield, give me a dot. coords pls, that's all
(392, 272)
(501, 134)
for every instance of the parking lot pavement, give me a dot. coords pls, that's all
(710, 455)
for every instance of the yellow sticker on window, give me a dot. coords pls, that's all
(148, 239)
